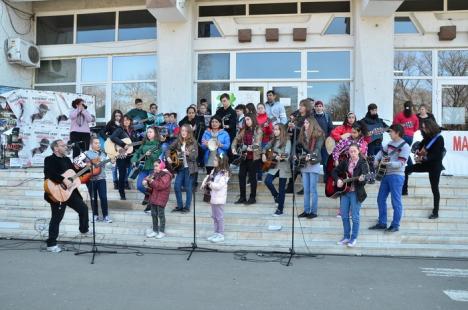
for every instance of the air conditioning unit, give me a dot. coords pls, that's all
(22, 52)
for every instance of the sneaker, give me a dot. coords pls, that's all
(378, 227)
(185, 210)
(151, 234)
(160, 235)
(433, 216)
(311, 216)
(176, 210)
(351, 243)
(54, 249)
(343, 241)
(278, 213)
(97, 218)
(212, 237)
(392, 229)
(301, 192)
(303, 214)
(144, 202)
(218, 238)
(107, 219)
(147, 210)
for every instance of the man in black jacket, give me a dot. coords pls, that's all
(54, 166)
(229, 118)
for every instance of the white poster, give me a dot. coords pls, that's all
(456, 160)
(237, 97)
(42, 117)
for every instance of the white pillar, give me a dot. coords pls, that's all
(175, 67)
(373, 63)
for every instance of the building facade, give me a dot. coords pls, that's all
(173, 52)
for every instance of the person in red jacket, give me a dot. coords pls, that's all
(159, 184)
(344, 131)
(410, 123)
(267, 127)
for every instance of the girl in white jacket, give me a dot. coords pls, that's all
(217, 183)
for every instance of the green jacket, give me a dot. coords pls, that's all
(149, 160)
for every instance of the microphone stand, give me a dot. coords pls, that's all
(194, 246)
(292, 251)
(94, 250)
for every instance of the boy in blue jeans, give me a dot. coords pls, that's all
(394, 154)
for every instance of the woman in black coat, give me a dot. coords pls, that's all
(350, 203)
(429, 158)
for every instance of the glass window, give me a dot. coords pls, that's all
(334, 95)
(58, 88)
(453, 5)
(54, 30)
(325, 7)
(273, 8)
(289, 94)
(419, 6)
(404, 25)
(213, 66)
(124, 95)
(94, 69)
(128, 68)
(208, 30)
(56, 71)
(417, 91)
(339, 25)
(136, 25)
(454, 107)
(99, 93)
(413, 63)
(204, 91)
(269, 65)
(260, 89)
(453, 63)
(96, 27)
(328, 65)
(221, 10)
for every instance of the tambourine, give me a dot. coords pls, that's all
(213, 144)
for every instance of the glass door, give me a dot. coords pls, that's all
(262, 88)
(288, 94)
(453, 104)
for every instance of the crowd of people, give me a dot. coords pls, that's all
(257, 140)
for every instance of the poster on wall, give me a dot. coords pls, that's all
(41, 117)
(456, 159)
(236, 97)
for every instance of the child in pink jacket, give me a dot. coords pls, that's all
(217, 181)
(159, 184)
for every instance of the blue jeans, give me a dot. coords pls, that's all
(349, 202)
(409, 140)
(183, 179)
(114, 173)
(309, 180)
(259, 171)
(393, 184)
(141, 176)
(99, 187)
(279, 197)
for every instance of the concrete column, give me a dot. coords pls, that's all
(175, 71)
(373, 62)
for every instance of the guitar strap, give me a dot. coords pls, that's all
(398, 149)
(428, 146)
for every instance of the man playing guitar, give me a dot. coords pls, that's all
(54, 166)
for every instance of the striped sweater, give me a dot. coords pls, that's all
(397, 159)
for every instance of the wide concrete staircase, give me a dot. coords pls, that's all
(24, 214)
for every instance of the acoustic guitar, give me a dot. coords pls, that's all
(98, 164)
(139, 123)
(115, 151)
(271, 161)
(58, 192)
(347, 180)
(140, 163)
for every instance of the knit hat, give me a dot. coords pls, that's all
(318, 102)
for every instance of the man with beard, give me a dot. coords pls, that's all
(376, 127)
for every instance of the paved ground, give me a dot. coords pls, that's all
(31, 279)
